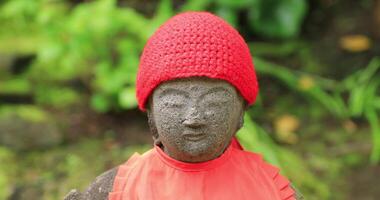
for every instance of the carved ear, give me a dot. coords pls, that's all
(152, 124)
(241, 119)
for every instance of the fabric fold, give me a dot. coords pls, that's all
(236, 174)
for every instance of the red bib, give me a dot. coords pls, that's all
(235, 175)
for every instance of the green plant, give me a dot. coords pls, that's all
(256, 139)
(97, 44)
(362, 88)
(6, 158)
(277, 19)
(267, 18)
(364, 100)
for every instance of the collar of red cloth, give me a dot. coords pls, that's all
(201, 166)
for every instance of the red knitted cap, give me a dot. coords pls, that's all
(196, 44)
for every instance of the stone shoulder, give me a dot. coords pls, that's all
(97, 190)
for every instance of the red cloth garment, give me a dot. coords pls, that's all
(235, 143)
(235, 175)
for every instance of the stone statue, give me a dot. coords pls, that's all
(194, 106)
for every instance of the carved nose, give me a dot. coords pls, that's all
(193, 123)
(193, 119)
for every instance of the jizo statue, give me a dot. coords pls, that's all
(195, 80)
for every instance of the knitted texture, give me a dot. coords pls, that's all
(196, 44)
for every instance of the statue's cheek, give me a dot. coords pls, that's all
(220, 123)
(168, 123)
(220, 115)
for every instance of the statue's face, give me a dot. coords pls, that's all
(195, 118)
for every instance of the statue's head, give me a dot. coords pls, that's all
(195, 79)
(195, 118)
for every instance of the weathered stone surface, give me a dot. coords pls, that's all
(98, 190)
(195, 118)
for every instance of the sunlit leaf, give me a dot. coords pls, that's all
(285, 127)
(100, 103)
(355, 43)
(127, 98)
(306, 82)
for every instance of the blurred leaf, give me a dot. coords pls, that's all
(277, 18)
(100, 103)
(22, 45)
(291, 80)
(376, 102)
(255, 139)
(357, 100)
(365, 75)
(229, 15)
(163, 12)
(134, 23)
(15, 86)
(355, 43)
(363, 88)
(29, 112)
(127, 98)
(285, 126)
(6, 158)
(236, 4)
(374, 122)
(59, 97)
(19, 8)
(299, 174)
(195, 5)
(282, 49)
(306, 82)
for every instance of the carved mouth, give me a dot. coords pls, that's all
(194, 136)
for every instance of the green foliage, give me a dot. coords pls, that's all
(96, 43)
(59, 97)
(256, 139)
(93, 49)
(5, 172)
(196, 5)
(276, 18)
(15, 86)
(27, 112)
(361, 87)
(267, 18)
(72, 167)
(98, 50)
(294, 81)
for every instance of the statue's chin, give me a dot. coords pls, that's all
(198, 152)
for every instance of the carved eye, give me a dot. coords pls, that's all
(217, 99)
(215, 104)
(174, 104)
(172, 99)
